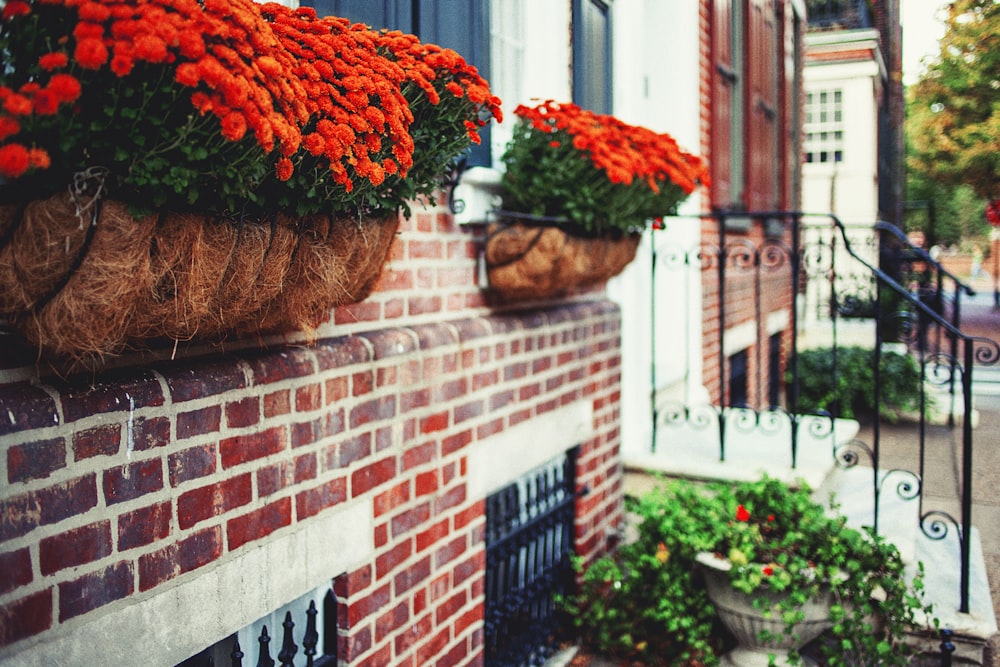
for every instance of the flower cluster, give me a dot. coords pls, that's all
(230, 105)
(783, 549)
(595, 170)
(778, 537)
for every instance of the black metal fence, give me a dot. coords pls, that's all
(229, 652)
(529, 544)
(842, 280)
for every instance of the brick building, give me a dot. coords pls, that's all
(180, 497)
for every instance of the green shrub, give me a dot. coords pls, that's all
(848, 389)
(647, 604)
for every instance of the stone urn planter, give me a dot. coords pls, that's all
(759, 634)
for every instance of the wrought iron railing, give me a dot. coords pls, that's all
(529, 545)
(229, 652)
(843, 280)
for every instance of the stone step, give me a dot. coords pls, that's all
(853, 491)
(986, 381)
(942, 571)
(755, 444)
(937, 548)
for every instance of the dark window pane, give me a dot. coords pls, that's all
(592, 55)
(459, 25)
(392, 14)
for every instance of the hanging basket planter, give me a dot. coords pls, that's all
(275, 125)
(81, 278)
(531, 258)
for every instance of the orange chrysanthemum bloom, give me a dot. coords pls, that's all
(91, 53)
(93, 11)
(8, 127)
(234, 126)
(39, 158)
(14, 160)
(283, 169)
(187, 75)
(53, 61)
(45, 102)
(66, 87)
(15, 8)
(17, 105)
(316, 93)
(122, 64)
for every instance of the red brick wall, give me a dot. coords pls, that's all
(756, 287)
(124, 485)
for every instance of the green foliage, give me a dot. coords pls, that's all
(648, 601)
(841, 381)
(958, 213)
(954, 124)
(594, 171)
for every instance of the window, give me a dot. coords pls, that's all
(774, 370)
(727, 104)
(754, 139)
(739, 366)
(824, 126)
(506, 63)
(763, 68)
(592, 55)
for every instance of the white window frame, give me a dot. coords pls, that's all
(824, 126)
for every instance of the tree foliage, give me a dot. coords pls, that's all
(954, 121)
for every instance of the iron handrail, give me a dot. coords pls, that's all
(988, 351)
(965, 528)
(883, 226)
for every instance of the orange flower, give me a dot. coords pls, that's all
(122, 64)
(14, 160)
(269, 66)
(187, 75)
(151, 49)
(91, 53)
(85, 30)
(38, 158)
(15, 8)
(191, 44)
(45, 102)
(314, 143)
(234, 126)
(283, 170)
(17, 105)
(93, 11)
(66, 87)
(53, 61)
(8, 127)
